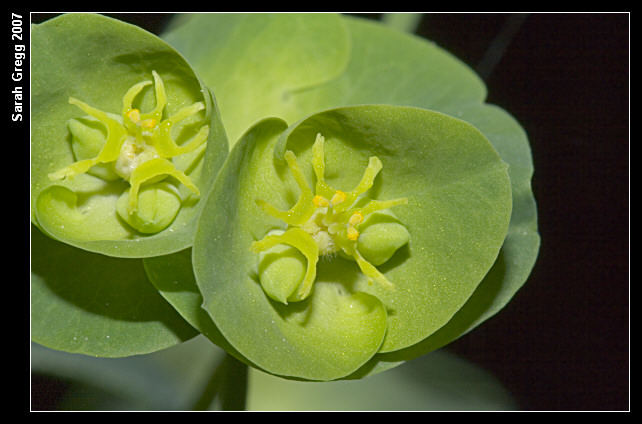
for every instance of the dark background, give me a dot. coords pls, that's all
(563, 342)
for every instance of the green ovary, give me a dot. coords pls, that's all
(325, 223)
(137, 148)
(158, 205)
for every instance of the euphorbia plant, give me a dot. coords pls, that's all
(111, 106)
(372, 207)
(449, 199)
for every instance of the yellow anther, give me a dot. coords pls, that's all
(353, 234)
(149, 123)
(134, 115)
(339, 197)
(320, 201)
(356, 218)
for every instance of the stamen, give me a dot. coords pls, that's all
(149, 123)
(339, 197)
(356, 218)
(134, 115)
(328, 219)
(320, 201)
(353, 234)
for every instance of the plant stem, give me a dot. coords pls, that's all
(234, 386)
(500, 43)
(407, 22)
(229, 383)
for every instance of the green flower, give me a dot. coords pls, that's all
(325, 222)
(332, 241)
(138, 146)
(332, 310)
(131, 155)
(125, 138)
(443, 286)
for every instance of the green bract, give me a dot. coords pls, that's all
(364, 62)
(84, 302)
(372, 208)
(106, 97)
(125, 138)
(456, 206)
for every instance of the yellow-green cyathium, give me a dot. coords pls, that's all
(138, 148)
(326, 222)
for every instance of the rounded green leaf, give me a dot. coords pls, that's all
(516, 257)
(258, 63)
(172, 275)
(457, 214)
(388, 67)
(91, 75)
(88, 303)
(299, 340)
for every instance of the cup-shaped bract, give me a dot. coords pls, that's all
(353, 61)
(125, 138)
(450, 198)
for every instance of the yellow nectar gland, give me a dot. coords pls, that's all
(321, 227)
(140, 145)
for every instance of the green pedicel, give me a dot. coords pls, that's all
(138, 147)
(327, 222)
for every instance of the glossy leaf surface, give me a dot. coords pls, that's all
(88, 303)
(257, 65)
(459, 204)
